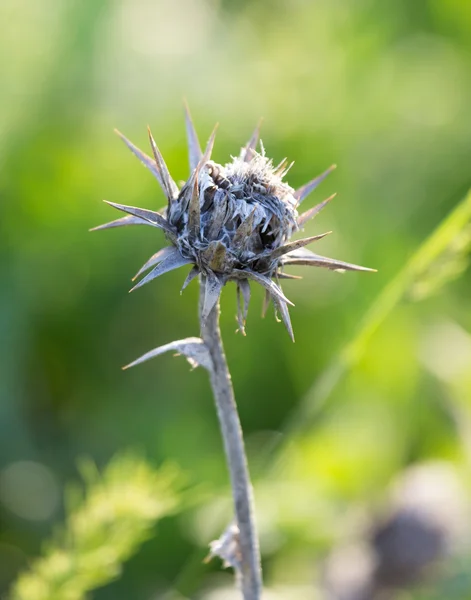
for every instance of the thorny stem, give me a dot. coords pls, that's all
(250, 572)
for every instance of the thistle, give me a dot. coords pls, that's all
(228, 223)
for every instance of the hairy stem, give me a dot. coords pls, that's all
(250, 570)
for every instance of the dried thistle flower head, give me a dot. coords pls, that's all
(231, 222)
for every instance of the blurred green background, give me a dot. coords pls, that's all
(383, 89)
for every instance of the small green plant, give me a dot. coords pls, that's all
(103, 529)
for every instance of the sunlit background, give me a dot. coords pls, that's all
(383, 89)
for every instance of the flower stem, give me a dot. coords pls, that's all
(250, 570)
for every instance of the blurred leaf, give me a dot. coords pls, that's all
(442, 256)
(452, 263)
(102, 531)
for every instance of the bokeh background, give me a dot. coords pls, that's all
(383, 89)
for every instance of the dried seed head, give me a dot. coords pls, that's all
(233, 216)
(231, 222)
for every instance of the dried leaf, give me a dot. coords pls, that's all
(300, 253)
(315, 260)
(312, 212)
(208, 150)
(122, 222)
(156, 258)
(218, 216)
(173, 261)
(213, 287)
(244, 286)
(194, 209)
(296, 244)
(194, 148)
(193, 348)
(145, 160)
(247, 151)
(240, 316)
(227, 548)
(244, 230)
(266, 303)
(170, 187)
(307, 188)
(216, 255)
(243, 289)
(284, 312)
(189, 278)
(263, 280)
(148, 215)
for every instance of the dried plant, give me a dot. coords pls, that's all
(230, 223)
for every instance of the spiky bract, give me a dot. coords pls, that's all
(230, 222)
